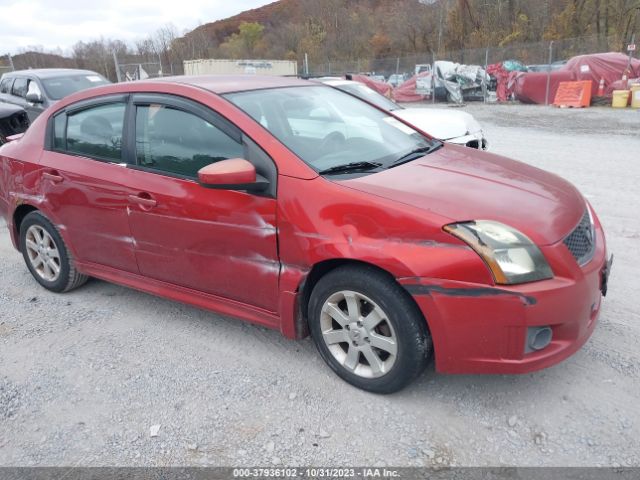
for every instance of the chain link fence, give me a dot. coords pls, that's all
(538, 53)
(130, 67)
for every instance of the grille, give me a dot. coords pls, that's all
(581, 242)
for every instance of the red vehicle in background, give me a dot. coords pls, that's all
(301, 208)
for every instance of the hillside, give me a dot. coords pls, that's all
(271, 15)
(38, 59)
(338, 30)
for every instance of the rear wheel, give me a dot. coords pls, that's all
(46, 255)
(368, 329)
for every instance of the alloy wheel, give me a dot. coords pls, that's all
(43, 253)
(358, 334)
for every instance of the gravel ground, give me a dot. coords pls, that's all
(84, 376)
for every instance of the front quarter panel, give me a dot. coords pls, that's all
(320, 220)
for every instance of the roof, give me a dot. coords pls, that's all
(222, 84)
(50, 72)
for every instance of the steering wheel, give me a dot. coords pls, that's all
(332, 142)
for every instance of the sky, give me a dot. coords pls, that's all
(61, 23)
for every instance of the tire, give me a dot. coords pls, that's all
(390, 328)
(44, 250)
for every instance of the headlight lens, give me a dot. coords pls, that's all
(510, 255)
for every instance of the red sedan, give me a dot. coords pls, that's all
(301, 208)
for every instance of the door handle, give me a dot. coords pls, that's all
(143, 199)
(53, 176)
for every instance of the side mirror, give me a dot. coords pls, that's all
(33, 98)
(232, 174)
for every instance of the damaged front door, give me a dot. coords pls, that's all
(220, 242)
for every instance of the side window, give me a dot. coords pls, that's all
(59, 125)
(178, 142)
(5, 85)
(96, 132)
(19, 87)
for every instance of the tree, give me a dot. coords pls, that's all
(243, 43)
(351, 33)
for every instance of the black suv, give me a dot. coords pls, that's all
(35, 90)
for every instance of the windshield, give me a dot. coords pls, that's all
(327, 128)
(369, 95)
(60, 87)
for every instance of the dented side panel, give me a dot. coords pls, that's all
(90, 206)
(320, 220)
(19, 174)
(220, 242)
(10, 174)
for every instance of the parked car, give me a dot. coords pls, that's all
(377, 77)
(422, 68)
(396, 79)
(301, 208)
(453, 126)
(13, 121)
(35, 90)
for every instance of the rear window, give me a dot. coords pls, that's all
(60, 87)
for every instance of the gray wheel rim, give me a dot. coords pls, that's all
(43, 253)
(358, 334)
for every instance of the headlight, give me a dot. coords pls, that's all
(510, 255)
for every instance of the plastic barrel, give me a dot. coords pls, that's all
(620, 99)
(635, 96)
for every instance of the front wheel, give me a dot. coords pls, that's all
(368, 329)
(46, 255)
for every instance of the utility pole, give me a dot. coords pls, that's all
(433, 78)
(633, 42)
(11, 62)
(484, 77)
(546, 101)
(115, 62)
(442, 7)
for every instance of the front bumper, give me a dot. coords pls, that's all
(473, 140)
(483, 329)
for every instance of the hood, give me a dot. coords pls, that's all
(441, 123)
(7, 109)
(463, 184)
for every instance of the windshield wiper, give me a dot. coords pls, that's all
(417, 153)
(351, 167)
